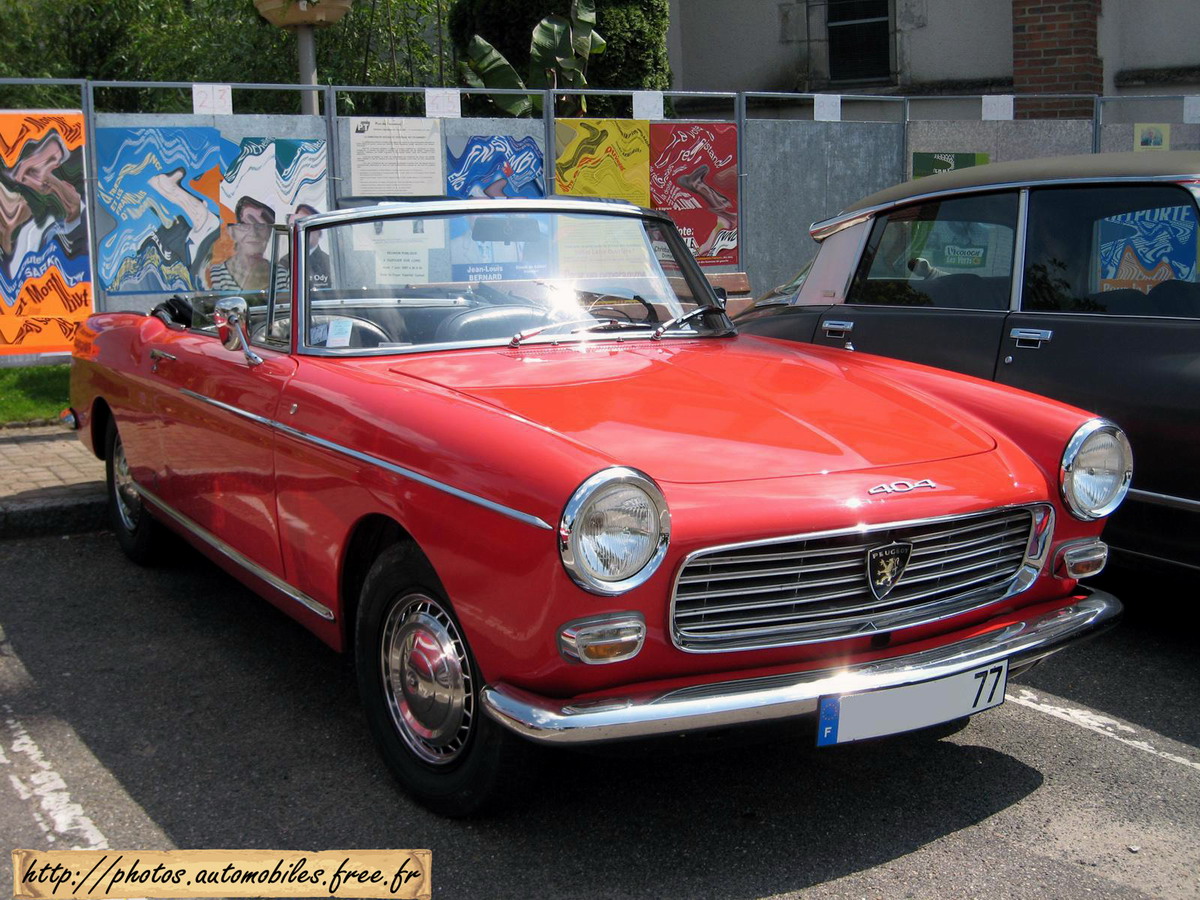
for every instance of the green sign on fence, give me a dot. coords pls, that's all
(931, 163)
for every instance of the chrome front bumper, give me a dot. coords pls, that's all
(787, 696)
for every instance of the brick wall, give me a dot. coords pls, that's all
(1055, 52)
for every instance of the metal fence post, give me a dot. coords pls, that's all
(739, 118)
(551, 154)
(1097, 121)
(333, 155)
(91, 192)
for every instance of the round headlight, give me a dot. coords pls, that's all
(1096, 469)
(614, 531)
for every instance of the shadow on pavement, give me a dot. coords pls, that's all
(232, 727)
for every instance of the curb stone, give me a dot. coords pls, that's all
(49, 483)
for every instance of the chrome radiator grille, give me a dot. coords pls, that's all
(807, 589)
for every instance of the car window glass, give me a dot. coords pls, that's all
(399, 282)
(270, 325)
(826, 280)
(955, 254)
(1113, 250)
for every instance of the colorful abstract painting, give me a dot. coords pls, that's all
(497, 165)
(694, 178)
(191, 210)
(603, 158)
(1141, 249)
(45, 269)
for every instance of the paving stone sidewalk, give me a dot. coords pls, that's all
(49, 483)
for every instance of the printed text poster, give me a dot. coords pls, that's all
(396, 158)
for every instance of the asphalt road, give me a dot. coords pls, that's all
(156, 709)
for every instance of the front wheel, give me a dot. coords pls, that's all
(138, 533)
(420, 689)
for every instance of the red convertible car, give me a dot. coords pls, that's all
(514, 457)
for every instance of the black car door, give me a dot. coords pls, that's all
(1110, 321)
(933, 285)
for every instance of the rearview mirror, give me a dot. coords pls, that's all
(229, 315)
(505, 229)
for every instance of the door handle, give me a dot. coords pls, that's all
(1030, 338)
(155, 353)
(835, 328)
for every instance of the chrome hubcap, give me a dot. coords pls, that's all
(125, 492)
(427, 679)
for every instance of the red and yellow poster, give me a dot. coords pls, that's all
(694, 178)
(45, 269)
(603, 158)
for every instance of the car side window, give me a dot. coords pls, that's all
(950, 254)
(1113, 250)
(272, 326)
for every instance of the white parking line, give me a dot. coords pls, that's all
(37, 783)
(1094, 721)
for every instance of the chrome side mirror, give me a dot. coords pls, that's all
(229, 315)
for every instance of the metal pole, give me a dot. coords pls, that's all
(1097, 121)
(90, 191)
(550, 160)
(307, 48)
(332, 153)
(739, 118)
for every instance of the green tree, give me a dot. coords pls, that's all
(379, 42)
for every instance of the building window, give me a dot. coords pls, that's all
(859, 40)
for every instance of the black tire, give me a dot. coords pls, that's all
(138, 533)
(420, 689)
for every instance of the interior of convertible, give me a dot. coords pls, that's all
(405, 282)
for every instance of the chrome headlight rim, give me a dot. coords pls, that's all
(578, 504)
(1066, 470)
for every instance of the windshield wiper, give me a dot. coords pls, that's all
(591, 324)
(696, 313)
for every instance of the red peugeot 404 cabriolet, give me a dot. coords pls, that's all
(514, 457)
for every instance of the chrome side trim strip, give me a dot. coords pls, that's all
(1165, 500)
(225, 550)
(375, 461)
(549, 720)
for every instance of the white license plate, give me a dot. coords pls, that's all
(854, 717)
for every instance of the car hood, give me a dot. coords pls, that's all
(699, 411)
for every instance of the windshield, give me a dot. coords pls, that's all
(409, 282)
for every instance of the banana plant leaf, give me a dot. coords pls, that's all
(551, 46)
(585, 40)
(492, 70)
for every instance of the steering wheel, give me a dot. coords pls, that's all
(599, 299)
(363, 332)
(610, 311)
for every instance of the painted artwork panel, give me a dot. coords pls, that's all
(190, 210)
(495, 166)
(45, 265)
(1142, 249)
(694, 178)
(603, 158)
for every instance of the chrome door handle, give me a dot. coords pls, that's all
(1030, 338)
(835, 328)
(155, 353)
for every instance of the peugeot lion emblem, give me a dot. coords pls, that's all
(885, 565)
